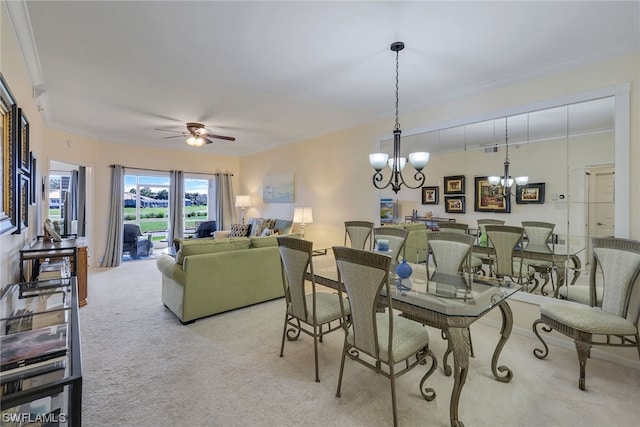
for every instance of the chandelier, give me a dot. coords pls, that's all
(379, 160)
(505, 180)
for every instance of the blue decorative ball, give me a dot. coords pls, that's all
(404, 270)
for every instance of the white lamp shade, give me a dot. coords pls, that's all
(302, 215)
(191, 141)
(522, 180)
(494, 180)
(378, 160)
(419, 159)
(243, 201)
(401, 160)
(508, 184)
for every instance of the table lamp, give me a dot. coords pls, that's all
(303, 216)
(243, 201)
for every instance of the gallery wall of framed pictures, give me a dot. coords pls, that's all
(17, 165)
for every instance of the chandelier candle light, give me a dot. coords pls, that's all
(506, 181)
(302, 216)
(243, 201)
(379, 160)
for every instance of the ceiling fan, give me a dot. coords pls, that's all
(197, 135)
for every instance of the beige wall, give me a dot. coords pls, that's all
(333, 176)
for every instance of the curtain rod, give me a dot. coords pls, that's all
(160, 170)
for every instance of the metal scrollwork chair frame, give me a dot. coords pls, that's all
(383, 341)
(306, 313)
(615, 322)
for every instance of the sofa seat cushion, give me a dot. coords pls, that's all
(206, 246)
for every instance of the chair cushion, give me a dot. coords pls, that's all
(588, 319)
(327, 307)
(408, 337)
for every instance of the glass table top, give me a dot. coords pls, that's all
(464, 294)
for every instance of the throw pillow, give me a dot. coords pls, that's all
(267, 232)
(240, 230)
(259, 224)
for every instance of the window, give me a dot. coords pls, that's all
(196, 202)
(146, 203)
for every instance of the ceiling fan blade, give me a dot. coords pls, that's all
(171, 130)
(206, 140)
(226, 138)
(175, 136)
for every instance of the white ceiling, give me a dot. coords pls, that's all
(272, 73)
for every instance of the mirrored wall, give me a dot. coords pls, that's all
(574, 151)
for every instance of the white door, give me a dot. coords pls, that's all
(601, 202)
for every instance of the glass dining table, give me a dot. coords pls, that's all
(563, 257)
(450, 303)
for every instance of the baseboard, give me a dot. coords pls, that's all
(566, 343)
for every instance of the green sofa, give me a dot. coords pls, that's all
(209, 276)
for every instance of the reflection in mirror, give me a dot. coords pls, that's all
(568, 151)
(67, 197)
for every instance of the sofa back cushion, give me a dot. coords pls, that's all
(263, 242)
(207, 246)
(283, 226)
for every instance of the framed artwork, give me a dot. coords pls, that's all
(8, 161)
(278, 189)
(489, 198)
(530, 193)
(23, 203)
(34, 179)
(454, 204)
(454, 184)
(430, 195)
(23, 143)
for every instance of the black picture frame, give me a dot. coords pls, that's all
(23, 203)
(23, 143)
(33, 179)
(455, 204)
(8, 158)
(489, 198)
(530, 193)
(454, 184)
(430, 195)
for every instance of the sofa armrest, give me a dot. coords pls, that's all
(221, 234)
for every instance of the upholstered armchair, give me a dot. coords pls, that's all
(135, 243)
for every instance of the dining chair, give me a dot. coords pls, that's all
(397, 238)
(507, 240)
(457, 227)
(359, 232)
(451, 255)
(487, 259)
(306, 312)
(538, 234)
(388, 344)
(616, 263)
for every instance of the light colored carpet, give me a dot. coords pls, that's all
(143, 368)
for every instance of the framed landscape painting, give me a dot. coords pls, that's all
(430, 195)
(530, 193)
(489, 198)
(454, 184)
(454, 204)
(23, 143)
